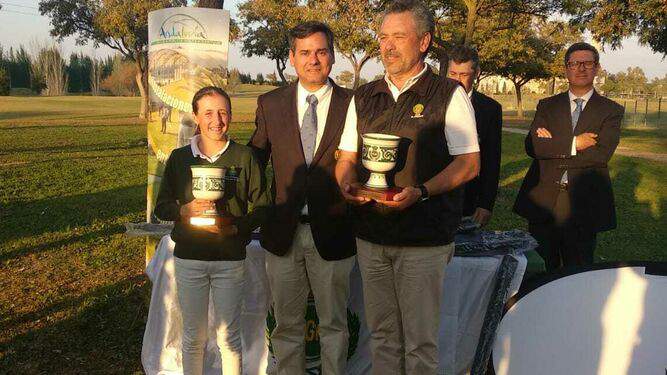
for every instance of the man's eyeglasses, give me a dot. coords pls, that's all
(589, 64)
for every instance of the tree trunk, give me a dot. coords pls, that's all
(357, 76)
(356, 66)
(139, 77)
(142, 83)
(552, 86)
(281, 68)
(519, 103)
(440, 48)
(470, 21)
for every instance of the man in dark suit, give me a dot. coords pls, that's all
(567, 195)
(309, 236)
(480, 193)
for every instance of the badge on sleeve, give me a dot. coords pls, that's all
(417, 110)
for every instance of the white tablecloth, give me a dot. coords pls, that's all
(468, 285)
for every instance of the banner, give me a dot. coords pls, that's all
(187, 50)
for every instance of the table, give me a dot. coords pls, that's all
(468, 286)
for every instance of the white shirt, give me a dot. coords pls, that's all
(323, 95)
(573, 106)
(460, 128)
(198, 154)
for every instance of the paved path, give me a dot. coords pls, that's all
(625, 151)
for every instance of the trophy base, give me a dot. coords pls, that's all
(384, 196)
(201, 221)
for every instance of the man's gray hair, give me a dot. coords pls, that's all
(422, 15)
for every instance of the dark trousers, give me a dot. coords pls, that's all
(561, 242)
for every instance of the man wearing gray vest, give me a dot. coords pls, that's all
(403, 250)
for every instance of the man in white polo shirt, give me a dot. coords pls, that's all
(403, 250)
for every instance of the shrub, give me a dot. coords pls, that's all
(4, 82)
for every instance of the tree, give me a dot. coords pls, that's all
(119, 24)
(49, 67)
(234, 31)
(78, 70)
(215, 4)
(271, 79)
(352, 22)
(610, 21)
(658, 86)
(633, 81)
(345, 78)
(245, 78)
(259, 79)
(5, 88)
(96, 72)
(474, 22)
(525, 53)
(266, 24)
(560, 35)
(17, 65)
(121, 80)
(233, 81)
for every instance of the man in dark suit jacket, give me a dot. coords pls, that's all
(308, 235)
(567, 195)
(480, 193)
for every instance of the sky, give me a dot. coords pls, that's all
(21, 24)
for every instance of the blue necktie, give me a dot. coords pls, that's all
(575, 118)
(309, 129)
(577, 111)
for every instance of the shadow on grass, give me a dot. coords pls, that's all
(115, 156)
(108, 146)
(639, 194)
(13, 115)
(640, 211)
(49, 127)
(26, 219)
(54, 245)
(102, 333)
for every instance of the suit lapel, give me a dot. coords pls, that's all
(588, 113)
(335, 115)
(563, 113)
(479, 111)
(293, 133)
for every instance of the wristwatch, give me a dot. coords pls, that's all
(424, 192)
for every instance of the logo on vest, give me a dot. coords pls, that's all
(417, 110)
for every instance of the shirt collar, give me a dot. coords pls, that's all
(302, 93)
(196, 152)
(420, 86)
(409, 83)
(586, 96)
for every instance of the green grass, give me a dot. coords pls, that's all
(642, 115)
(651, 137)
(73, 298)
(640, 197)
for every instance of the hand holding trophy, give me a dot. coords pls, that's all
(379, 154)
(208, 185)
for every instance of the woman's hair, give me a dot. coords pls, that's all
(208, 91)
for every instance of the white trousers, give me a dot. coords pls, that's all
(222, 281)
